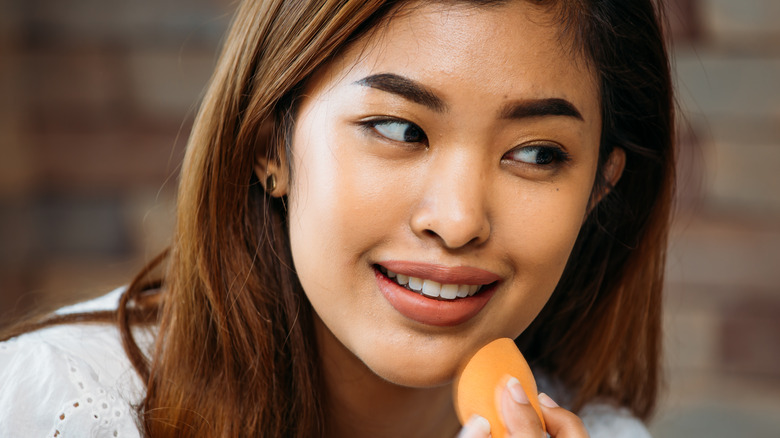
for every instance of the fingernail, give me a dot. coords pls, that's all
(516, 391)
(476, 426)
(547, 401)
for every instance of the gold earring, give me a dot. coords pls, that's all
(270, 183)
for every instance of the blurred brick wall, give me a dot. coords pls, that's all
(723, 293)
(97, 98)
(96, 101)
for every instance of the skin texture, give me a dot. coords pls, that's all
(358, 197)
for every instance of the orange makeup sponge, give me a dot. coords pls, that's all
(480, 382)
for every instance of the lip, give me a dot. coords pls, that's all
(437, 312)
(442, 274)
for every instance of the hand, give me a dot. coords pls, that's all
(521, 420)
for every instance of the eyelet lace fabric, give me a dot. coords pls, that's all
(101, 411)
(76, 381)
(68, 381)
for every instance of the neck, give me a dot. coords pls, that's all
(358, 403)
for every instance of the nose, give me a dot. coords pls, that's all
(453, 208)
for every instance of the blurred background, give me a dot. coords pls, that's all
(96, 102)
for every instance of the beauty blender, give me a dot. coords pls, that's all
(475, 389)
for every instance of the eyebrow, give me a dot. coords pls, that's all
(418, 93)
(540, 107)
(406, 88)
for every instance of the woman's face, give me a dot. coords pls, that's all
(453, 150)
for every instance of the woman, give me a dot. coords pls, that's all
(372, 191)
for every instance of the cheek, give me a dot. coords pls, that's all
(338, 202)
(554, 225)
(344, 198)
(543, 220)
(337, 211)
(536, 232)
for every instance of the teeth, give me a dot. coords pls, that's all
(415, 284)
(432, 288)
(449, 291)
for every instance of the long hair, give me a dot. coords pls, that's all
(235, 353)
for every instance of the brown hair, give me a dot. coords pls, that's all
(235, 353)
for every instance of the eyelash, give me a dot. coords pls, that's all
(372, 125)
(557, 155)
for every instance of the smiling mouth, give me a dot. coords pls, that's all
(431, 288)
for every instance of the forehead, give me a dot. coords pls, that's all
(506, 50)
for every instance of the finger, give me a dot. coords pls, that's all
(560, 422)
(476, 427)
(519, 416)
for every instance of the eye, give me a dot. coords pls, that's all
(540, 155)
(398, 130)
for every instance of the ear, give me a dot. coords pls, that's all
(271, 165)
(612, 171)
(273, 175)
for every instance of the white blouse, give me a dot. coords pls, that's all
(76, 381)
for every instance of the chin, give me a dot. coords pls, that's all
(415, 378)
(413, 371)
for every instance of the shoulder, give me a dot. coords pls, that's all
(601, 419)
(71, 380)
(607, 421)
